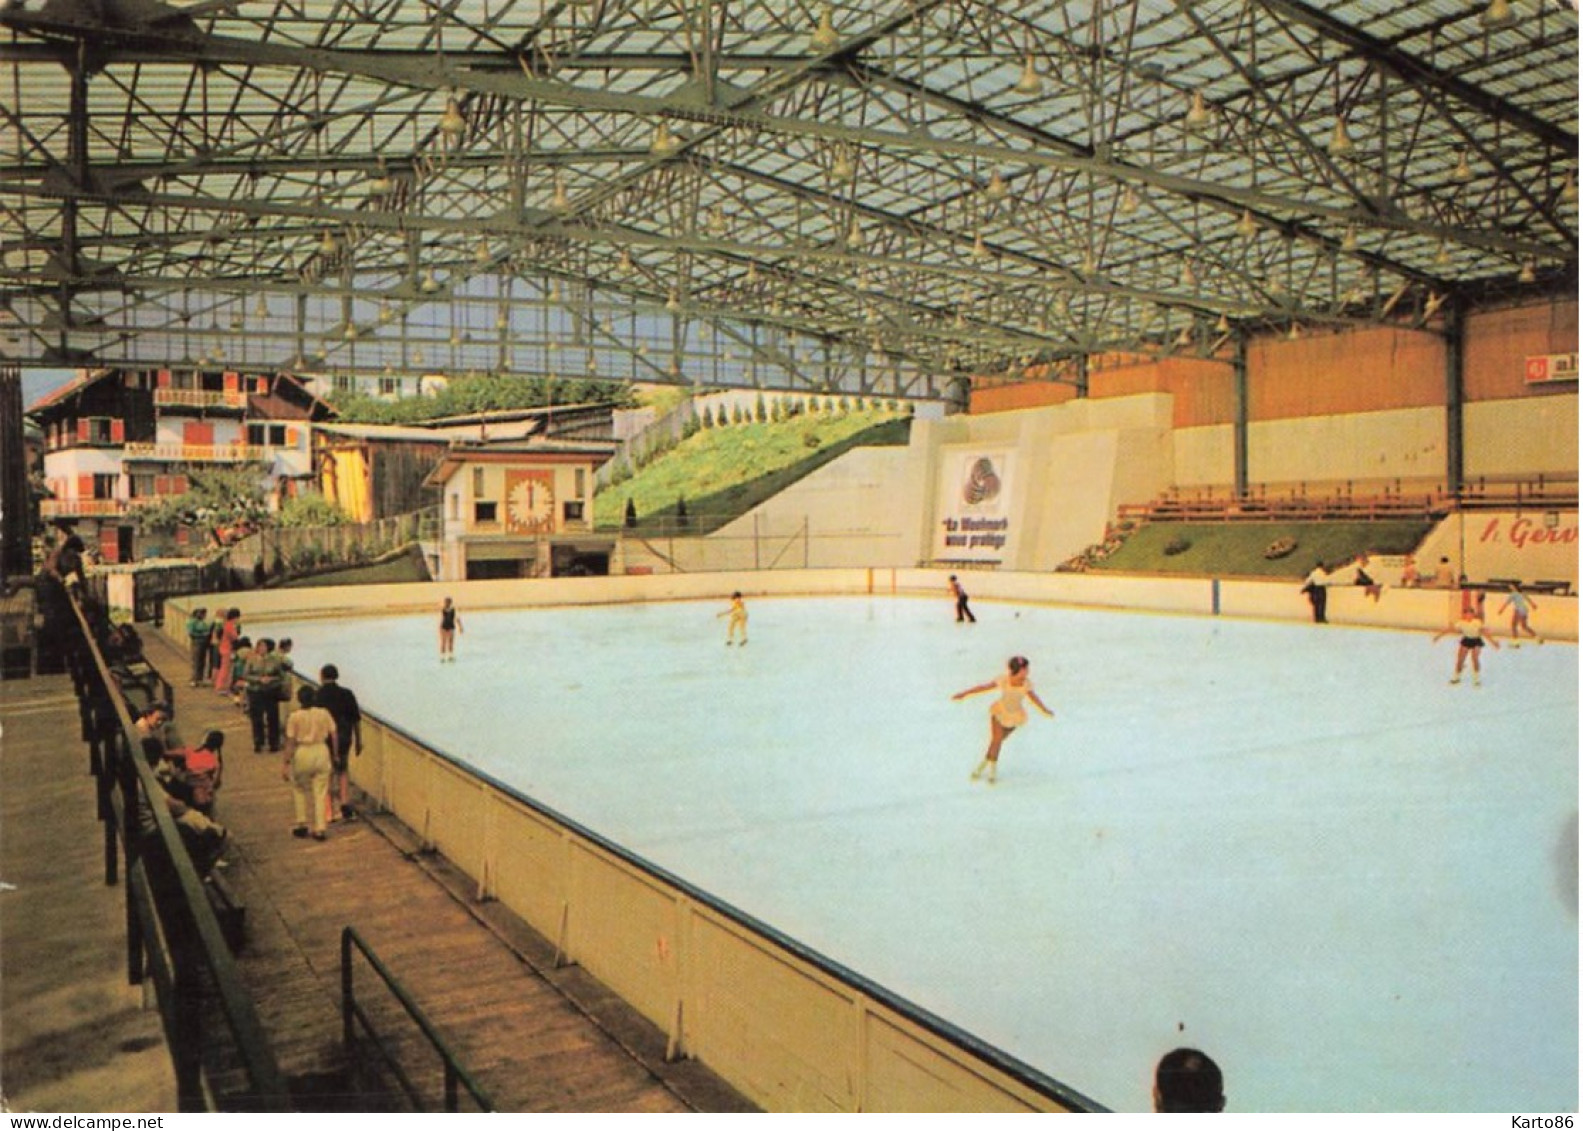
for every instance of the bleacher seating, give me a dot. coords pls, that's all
(1359, 500)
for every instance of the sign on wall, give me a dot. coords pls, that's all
(530, 502)
(974, 522)
(1544, 368)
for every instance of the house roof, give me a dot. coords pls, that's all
(554, 452)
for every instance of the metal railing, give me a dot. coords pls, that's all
(173, 937)
(353, 1014)
(200, 453)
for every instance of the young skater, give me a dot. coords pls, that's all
(738, 613)
(1521, 605)
(963, 613)
(450, 625)
(1006, 714)
(1470, 627)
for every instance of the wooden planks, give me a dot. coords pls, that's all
(516, 1026)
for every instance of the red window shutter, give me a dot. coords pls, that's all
(82, 431)
(233, 382)
(197, 432)
(181, 535)
(161, 485)
(118, 431)
(291, 437)
(162, 378)
(261, 386)
(85, 486)
(109, 544)
(178, 484)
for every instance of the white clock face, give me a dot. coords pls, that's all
(530, 503)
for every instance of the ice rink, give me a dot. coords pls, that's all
(1295, 847)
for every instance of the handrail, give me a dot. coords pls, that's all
(351, 1010)
(126, 781)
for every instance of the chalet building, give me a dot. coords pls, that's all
(117, 439)
(521, 509)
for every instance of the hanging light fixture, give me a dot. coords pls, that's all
(1340, 141)
(1349, 239)
(558, 198)
(1498, 15)
(1528, 273)
(664, 143)
(1185, 336)
(1443, 255)
(430, 284)
(1129, 201)
(980, 248)
(385, 312)
(453, 123)
(261, 308)
(328, 244)
(417, 355)
(1247, 227)
(854, 236)
(825, 38)
(1569, 188)
(1463, 173)
(1198, 117)
(1030, 84)
(481, 254)
(379, 182)
(350, 333)
(673, 301)
(841, 168)
(1294, 333)
(624, 262)
(1222, 324)
(1188, 279)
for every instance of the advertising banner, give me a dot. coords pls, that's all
(974, 521)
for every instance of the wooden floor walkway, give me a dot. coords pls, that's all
(535, 1037)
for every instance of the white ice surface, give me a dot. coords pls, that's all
(1297, 848)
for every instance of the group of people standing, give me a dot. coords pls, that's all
(320, 733)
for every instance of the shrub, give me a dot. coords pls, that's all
(1176, 546)
(1280, 548)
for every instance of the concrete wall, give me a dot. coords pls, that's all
(1397, 444)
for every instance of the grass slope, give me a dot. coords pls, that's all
(1236, 549)
(724, 472)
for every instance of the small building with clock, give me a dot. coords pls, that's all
(522, 509)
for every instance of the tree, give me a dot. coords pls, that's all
(216, 499)
(631, 520)
(681, 511)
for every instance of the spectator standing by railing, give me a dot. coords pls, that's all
(230, 633)
(264, 678)
(306, 766)
(341, 703)
(199, 629)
